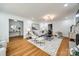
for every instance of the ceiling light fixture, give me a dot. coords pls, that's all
(65, 5)
(48, 17)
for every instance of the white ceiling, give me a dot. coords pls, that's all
(37, 10)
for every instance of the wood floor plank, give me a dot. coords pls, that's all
(64, 48)
(20, 47)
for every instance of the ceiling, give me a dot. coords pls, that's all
(37, 10)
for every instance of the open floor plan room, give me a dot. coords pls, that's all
(39, 29)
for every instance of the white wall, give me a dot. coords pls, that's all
(4, 28)
(63, 25)
(27, 26)
(44, 26)
(4, 25)
(60, 25)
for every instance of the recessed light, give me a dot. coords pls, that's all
(65, 5)
(77, 15)
(15, 20)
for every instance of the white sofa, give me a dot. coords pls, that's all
(3, 46)
(36, 38)
(3, 51)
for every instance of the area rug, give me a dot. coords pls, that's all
(49, 47)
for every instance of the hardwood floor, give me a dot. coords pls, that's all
(64, 47)
(20, 47)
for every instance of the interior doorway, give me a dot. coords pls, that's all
(15, 28)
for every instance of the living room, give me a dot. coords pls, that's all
(44, 26)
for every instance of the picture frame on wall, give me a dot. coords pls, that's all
(35, 26)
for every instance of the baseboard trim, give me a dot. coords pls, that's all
(16, 36)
